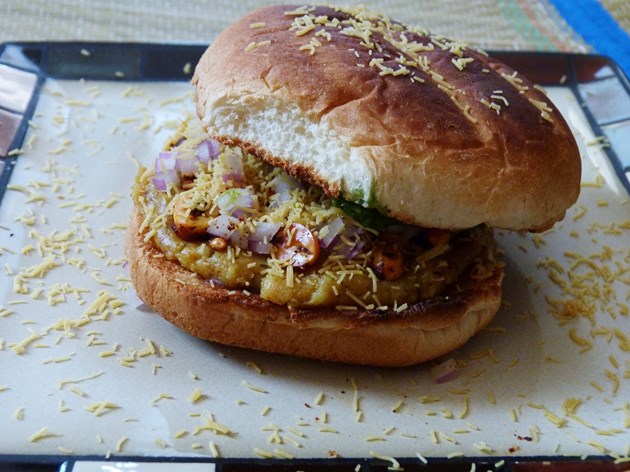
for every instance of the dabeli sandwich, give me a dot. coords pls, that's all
(336, 197)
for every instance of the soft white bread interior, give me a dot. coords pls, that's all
(420, 127)
(424, 331)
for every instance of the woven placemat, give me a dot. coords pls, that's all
(620, 11)
(491, 24)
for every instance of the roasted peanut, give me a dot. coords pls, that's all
(299, 245)
(387, 262)
(189, 224)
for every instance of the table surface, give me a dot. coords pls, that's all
(492, 24)
(600, 26)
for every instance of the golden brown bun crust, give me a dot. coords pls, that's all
(425, 331)
(408, 147)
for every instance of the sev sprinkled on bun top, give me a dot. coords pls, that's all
(423, 128)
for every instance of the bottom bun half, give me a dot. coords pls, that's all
(426, 330)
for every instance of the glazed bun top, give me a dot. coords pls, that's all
(423, 128)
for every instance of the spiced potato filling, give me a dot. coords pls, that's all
(238, 222)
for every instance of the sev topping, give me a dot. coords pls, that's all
(413, 47)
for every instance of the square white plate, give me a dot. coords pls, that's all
(85, 370)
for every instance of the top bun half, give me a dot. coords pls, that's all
(420, 127)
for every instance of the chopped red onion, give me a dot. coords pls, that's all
(355, 250)
(165, 171)
(260, 239)
(162, 180)
(165, 161)
(446, 371)
(234, 201)
(234, 167)
(283, 184)
(356, 235)
(239, 239)
(222, 226)
(207, 150)
(186, 166)
(333, 230)
(159, 183)
(260, 247)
